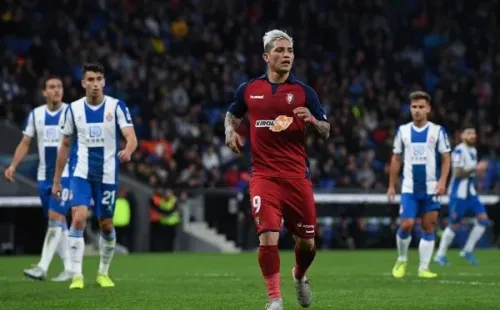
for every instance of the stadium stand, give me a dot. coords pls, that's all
(177, 64)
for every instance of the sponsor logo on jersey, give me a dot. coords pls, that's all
(256, 96)
(281, 123)
(95, 131)
(51, 136)
(50, 133)
(419, 154)
(95, 135)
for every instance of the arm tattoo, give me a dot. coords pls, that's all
(323, 128)
(231, 121)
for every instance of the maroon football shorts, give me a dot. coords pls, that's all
(292, 200)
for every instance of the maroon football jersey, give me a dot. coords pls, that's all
(277, 136)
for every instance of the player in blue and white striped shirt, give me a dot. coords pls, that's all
(43, 123)
(96, 122)
(424, 149)
(464, 198)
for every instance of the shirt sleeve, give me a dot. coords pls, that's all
(123, 116)
(457, 159)
(29, 125)
(238, 107)
(67, 123)
(443, 142)
(313, 104)
(398, 143)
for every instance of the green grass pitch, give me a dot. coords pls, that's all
(340, 280)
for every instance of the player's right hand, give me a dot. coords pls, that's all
(441, 188)
(57, 190)
(124, 156)
(234, 141)
(9, 173)
(391, 193)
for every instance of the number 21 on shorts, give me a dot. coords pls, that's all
(256, 202)
(108, 199)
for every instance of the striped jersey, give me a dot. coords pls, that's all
(44, 124)
(464, 157)
(421, 149)
(97, 132)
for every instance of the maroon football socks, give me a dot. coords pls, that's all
(269, 261)
(303, 259)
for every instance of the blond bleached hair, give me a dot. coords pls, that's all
(272, 36)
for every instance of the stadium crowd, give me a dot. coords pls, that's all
(177, 63)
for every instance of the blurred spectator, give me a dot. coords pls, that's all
(122, 219)
(365, 176)
(164, 217)
(210, 158)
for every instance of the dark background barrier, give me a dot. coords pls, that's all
(340, 225)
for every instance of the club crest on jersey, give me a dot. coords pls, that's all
(281, 123)
(289, 98)
(109, 116)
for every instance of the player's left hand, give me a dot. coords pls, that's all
(441, 188)
(124, 156)
(304, 114)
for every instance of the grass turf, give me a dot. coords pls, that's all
(340, 280)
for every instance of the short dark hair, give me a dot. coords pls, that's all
(93, 67)
(48, 78)
(419, 95)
